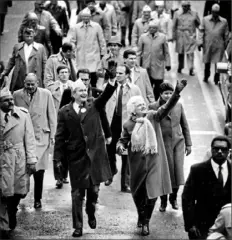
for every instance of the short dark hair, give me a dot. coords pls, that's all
(128, 52)
(61, 67)
(221, 138)
(128, 71)
(83, 70)
(67, 46)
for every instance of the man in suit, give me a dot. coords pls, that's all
(27, 57)
(79, 135)
(207, 189)
(116, 112)
(40, 105)
(139, 76)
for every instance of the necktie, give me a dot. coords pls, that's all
(6, 118)
(119, 106)
(72, 70)
(220, 176)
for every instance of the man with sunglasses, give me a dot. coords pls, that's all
(207, 189)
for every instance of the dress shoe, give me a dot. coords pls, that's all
(145, 230)
(162, 207)
(37, 205)
(65, 180)
(126, 189)
(92, 222)
(5, 234)
(77, 232)
(108, 182)
(191, 72)
(174, 205)
(59, 184)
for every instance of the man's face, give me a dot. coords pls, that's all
(91, 6)
(85, 78)
(7, 103)
(31, 84)
(69, 54)
(215, 13)
(153, 29)
(219, 151)
(85, 18)
(121, 76)
(160, 9)
(28, 37)
(80, 94)
(140, 108)
(146, 14)
(39, 6)
(131, 60)
(166, 95)
(63, 75)
(114, 48)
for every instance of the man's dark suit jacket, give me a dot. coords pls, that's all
(202, 197)
(92, 92)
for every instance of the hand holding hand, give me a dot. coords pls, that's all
(188, 150)
(181, 84)
(31, 169)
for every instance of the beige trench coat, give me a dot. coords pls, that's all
(154, 54)
(184, 31)
(90, 45)
(17, 149)
(44, 120)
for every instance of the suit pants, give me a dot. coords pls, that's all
(155, 83)
(2, 21)
(77, 203)
(207, 73)
(38, 185)
(172, 197)
(190, 60)
(93, 79)
(8, 211)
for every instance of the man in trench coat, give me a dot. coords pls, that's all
(43, 114)
(79, 134)
(18, 159)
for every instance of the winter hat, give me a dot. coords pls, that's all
(166, 86)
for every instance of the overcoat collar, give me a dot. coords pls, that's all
(13, 121)
(33, 52)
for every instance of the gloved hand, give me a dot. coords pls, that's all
(200, 47)
(111, 72)
(168, 68)
(180, 85)
(194, 233)
(31, 169)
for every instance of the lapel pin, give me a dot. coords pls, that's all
(83, 110)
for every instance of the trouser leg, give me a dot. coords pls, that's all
(207, 71)
(92, 196)
(156, 88)
(149, 207)
(77, 202)
(123, 36)
(125, 175)
(2, 21)
(173, 195)
(130, 32)
(93, 80)
(216, 76)
(190, 60)
(164, 200)
(65, 168)
(4, 219)
(180, 61)
(38, 184)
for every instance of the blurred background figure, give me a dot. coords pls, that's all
(4, 4)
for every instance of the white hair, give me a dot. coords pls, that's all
(154, 22)
(77, 84)
(146, 8)
(131, 105)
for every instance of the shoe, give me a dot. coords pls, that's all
(191, 72)
(108, 182)
(65, 180)
(4, 234)
(37, 205)
(179, 70)
(92, 222)
(59, 184)
(145, 230)
(77, 232)
(162, 207)
(174, 205)
(126, 189)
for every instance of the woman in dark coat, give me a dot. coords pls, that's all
(147, 157)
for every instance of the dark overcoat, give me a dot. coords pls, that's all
(152, 168)
(202, 198)
(176, 136)
(81, 137)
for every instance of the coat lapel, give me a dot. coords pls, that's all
(25, 98)
(13, 121)
(21, 52)
(136, 75)
(33, 53)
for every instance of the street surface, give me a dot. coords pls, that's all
(116, 214)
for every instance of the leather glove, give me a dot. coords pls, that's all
(188, 150)
(168, 68)
(194, 233)
(200, 47)
(31, 169)
(181, 84)
(111, 72)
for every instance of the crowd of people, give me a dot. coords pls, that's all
(85, 93)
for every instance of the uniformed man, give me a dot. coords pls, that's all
(18, 159)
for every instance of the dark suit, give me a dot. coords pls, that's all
(203, 198)
(81, 138)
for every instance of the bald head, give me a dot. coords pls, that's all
(31, 83)
(215, 8)
(32, 16)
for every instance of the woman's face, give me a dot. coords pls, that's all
(140, 108)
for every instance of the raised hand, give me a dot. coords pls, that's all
(181, 84)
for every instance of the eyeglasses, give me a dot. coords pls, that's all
(223, 149)
(85, 79)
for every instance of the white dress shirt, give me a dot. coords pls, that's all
(132, 75)
(27, 52)
(76, 107)
(215, 167)
(63, 86)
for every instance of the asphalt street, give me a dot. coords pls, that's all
(116, 213)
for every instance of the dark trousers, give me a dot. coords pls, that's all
(123, 34)
(190, 60)
(64, 168)
(207, 73)
(2, 21)
(125, 174)
(38, 186)
(77, 202)
(172, 197)
(204, 235)
(144, 205)
(93, 79)
(155, 83)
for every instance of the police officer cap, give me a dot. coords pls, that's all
(166, 86)
(5, 93)
(215, 8)
(146, 8)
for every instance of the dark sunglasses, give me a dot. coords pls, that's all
(223, 149)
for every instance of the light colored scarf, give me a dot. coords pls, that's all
(143, 137)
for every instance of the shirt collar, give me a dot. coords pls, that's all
(88, 24)
(216, 166)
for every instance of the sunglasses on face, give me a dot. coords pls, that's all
(223, 149)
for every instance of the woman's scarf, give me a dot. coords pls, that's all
(143, 137)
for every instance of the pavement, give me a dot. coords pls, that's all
(116, 214)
